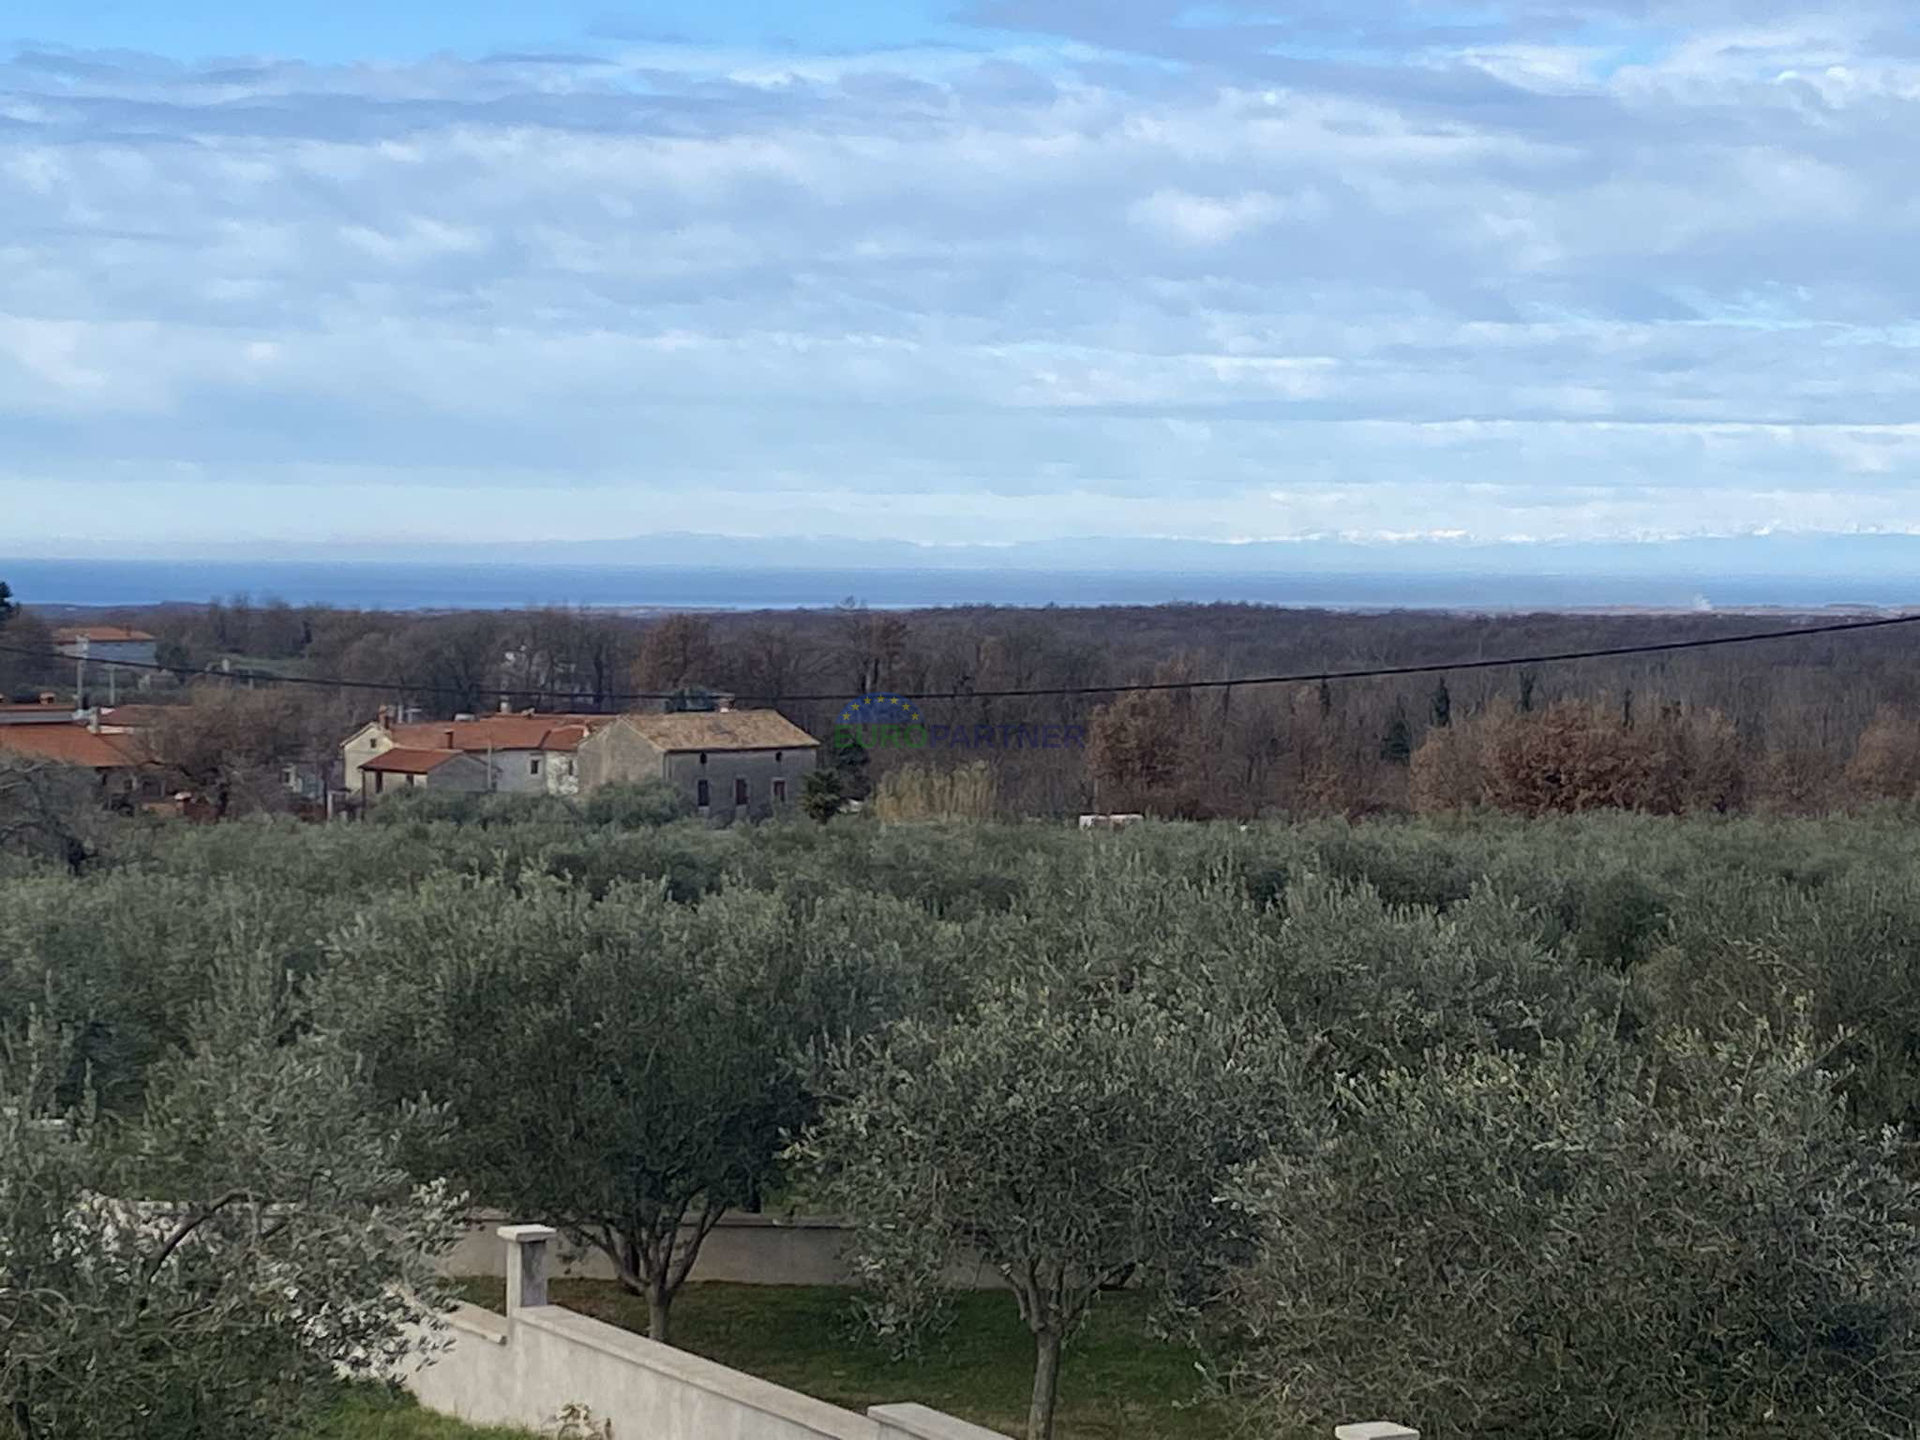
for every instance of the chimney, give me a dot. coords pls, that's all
(449, 744)
(506, 706)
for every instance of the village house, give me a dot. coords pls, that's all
(521, 753)
(728, 764)
(118, 759)
(106, 645)
(401, 768)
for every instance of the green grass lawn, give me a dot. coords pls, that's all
(366, 1412)
(1117, 1383)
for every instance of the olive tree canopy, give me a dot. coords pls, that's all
(1073, 1140)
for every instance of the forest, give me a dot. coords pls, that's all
(1563, 1126)
(1799, 726)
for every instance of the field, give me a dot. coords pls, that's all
(1123, 1384)
(371, 1414)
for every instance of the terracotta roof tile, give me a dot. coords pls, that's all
(501, 732)
(74, 745)
(402, 760)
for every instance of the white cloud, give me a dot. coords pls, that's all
(1204, 220)
(1117, 271)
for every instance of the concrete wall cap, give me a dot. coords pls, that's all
(1375, 1430)
(921, 1423)
(525, 1234)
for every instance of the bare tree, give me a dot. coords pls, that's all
(49, 809)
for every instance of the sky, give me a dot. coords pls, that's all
(966, 273)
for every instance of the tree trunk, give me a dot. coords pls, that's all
(1046, 1384)
(659, 1314)
(629, 1265)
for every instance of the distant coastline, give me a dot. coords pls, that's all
(401, 586)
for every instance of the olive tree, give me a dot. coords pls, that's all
(1074, 1139)
(622, 1069)
(206, 1271)
(1685, 1240)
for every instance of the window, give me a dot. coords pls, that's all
(703, 795)
(533, 765)
(703, 757)
(379, 782)
(740, 790)
(776, 756)
(779, 792)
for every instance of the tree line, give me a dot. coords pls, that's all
(1786, 727)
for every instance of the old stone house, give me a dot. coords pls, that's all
(728, 764)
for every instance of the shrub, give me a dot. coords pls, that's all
(636, 806)
(1686, 1240)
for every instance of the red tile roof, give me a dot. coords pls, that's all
(403, 760)
(74, 745)
(101, 635)
(501, 732)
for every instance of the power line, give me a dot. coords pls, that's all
(1372, 672)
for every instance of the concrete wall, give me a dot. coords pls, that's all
(742, 1250)
(618, 755)
(526, 1368)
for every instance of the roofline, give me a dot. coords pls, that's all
(633, 720)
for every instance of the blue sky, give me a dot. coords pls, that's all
(344, 31)
(955, 273)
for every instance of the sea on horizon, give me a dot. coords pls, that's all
(389, 585)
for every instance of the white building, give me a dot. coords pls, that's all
(524, 754)
(106, 645)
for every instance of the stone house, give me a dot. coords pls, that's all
(729, 764)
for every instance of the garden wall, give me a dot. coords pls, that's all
(528, 1367)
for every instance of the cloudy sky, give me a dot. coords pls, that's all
(955, 272)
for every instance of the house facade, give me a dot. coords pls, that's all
(106, 645)
(522, 753)
(728, 764)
